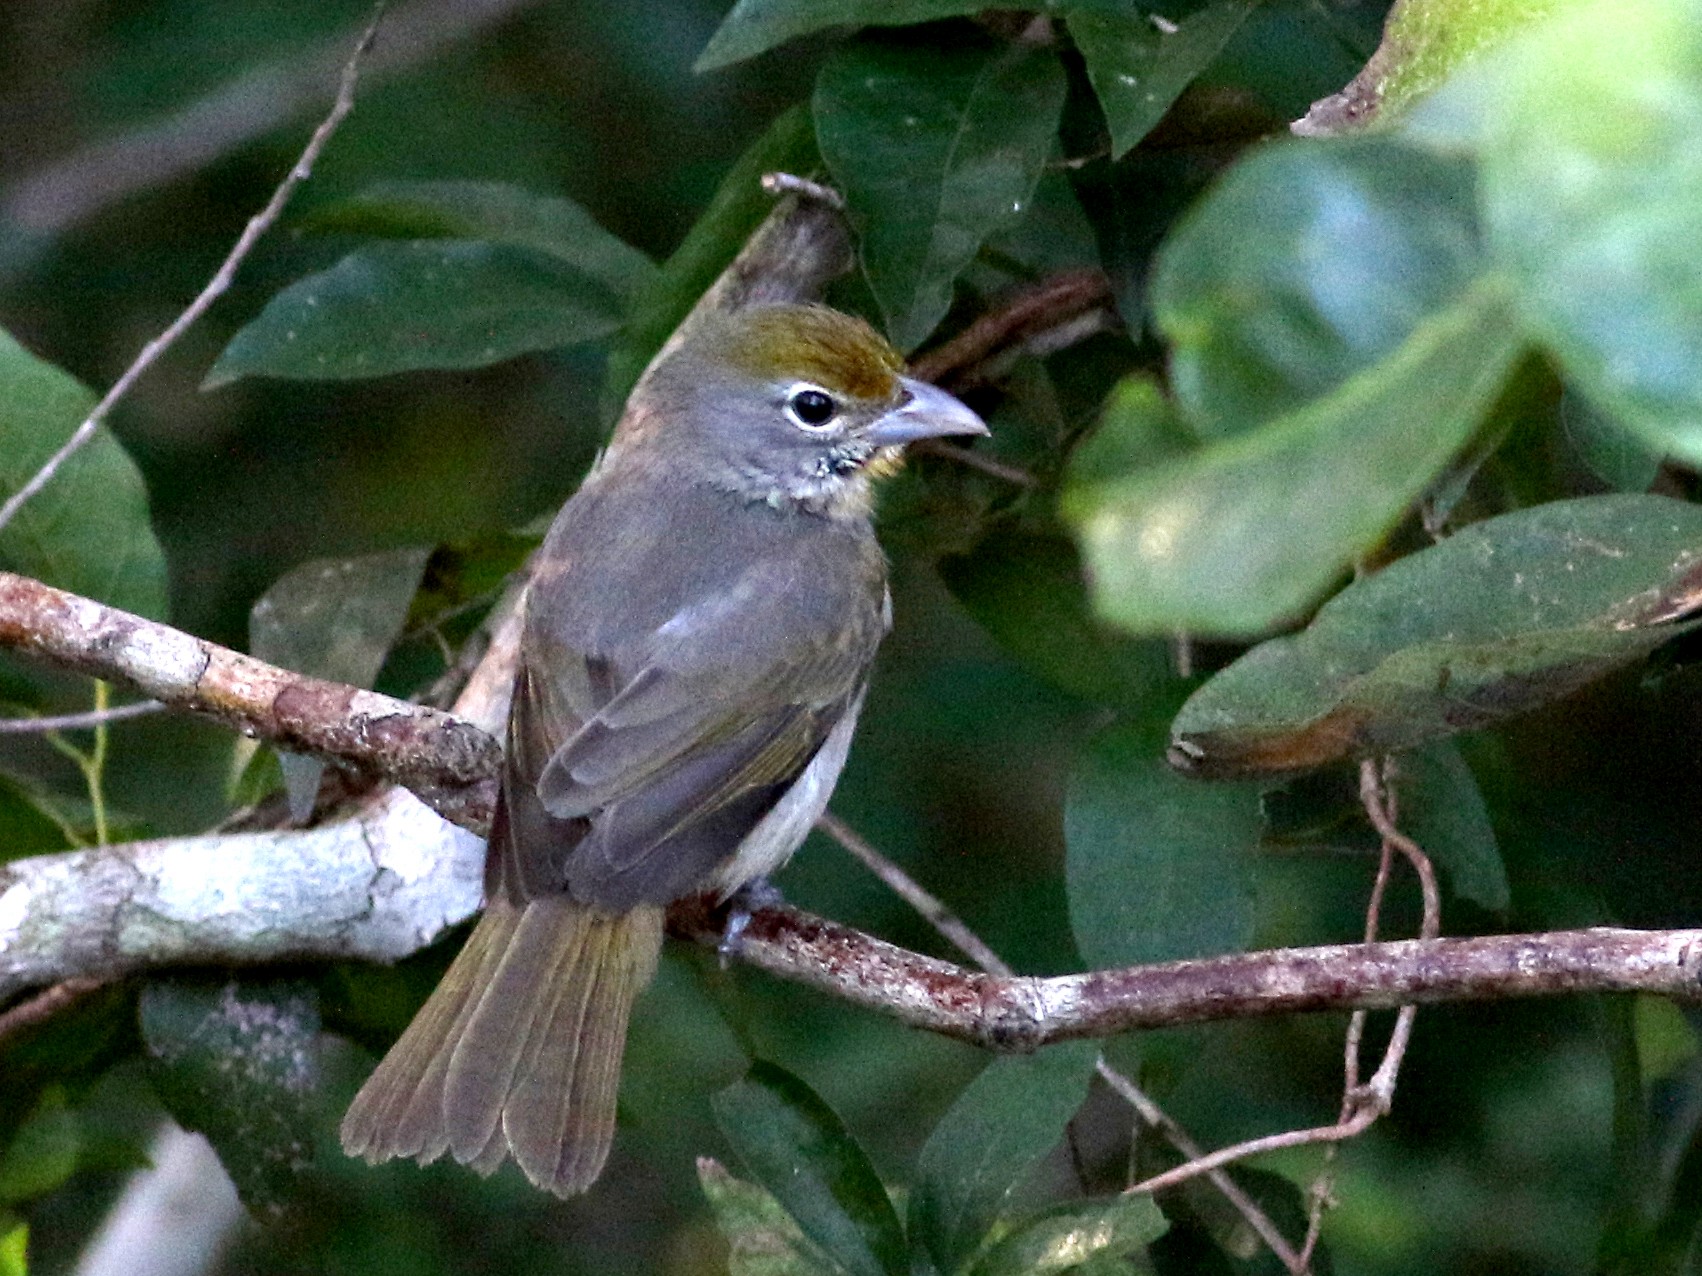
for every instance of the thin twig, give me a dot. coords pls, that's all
(257, 226)
(79, 721)
(1022, 317)
(45, 1004)
(951, 928)
(974, 460)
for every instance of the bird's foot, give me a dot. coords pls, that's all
(757, 893)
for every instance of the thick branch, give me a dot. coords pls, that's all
(448, 761)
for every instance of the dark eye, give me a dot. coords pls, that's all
(811, 407)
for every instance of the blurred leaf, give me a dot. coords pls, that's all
(1138, 70)
(333, 618)
(1309, 263)
(1158, 864)
(88, 530)
(762, 1238)
(800, 1151)
(256, 773)
(43, 1153)
(1026, 589)
(31, 819)
(1242, 535)
(1613, 452)
(936, 149)
(1505, 615)
(14, 1245)
(432, 303)
(495, 213)
(238, 1061)
(756, 26)
(1442, 810)
(737, 208)
(1139, 428)
(1003, 1122)
(1063, 1238)
(1665, 1040)
(1592, 188)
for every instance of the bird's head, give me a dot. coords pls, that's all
(790, 405)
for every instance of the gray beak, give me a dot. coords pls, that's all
(928, 413)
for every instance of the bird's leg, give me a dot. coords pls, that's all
(757, 893)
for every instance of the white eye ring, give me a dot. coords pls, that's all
(809, 407)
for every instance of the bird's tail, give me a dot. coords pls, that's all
(518, 1051)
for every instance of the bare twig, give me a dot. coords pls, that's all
(1026, 316)
(216, 286)
(78, 721)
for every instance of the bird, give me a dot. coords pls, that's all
(697, 638)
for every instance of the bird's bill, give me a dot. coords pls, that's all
(927, 413)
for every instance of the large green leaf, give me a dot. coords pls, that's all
(756, 26)
(738, 206)
(1139, 69)
(86, 531)
(1505, 615)
(1309, 263)
(1242, 535)
(936, 149)
(238, 1061)
(798, 1149)
(1592, 179)
(43, 1153)
(762, 1238)
(1158, 866)
(411, 304)
(1004, 1121)
(496, 213)
(1063, 1238)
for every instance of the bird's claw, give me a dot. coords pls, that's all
(757, 893)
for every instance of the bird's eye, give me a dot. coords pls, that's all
(811, 408)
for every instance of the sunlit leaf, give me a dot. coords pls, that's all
(1138, 69)
(936, 149)
(88, 530)
(1508, 614)
(1592, 181)
(1309, 263)
(1242, 535)
(1158, 865)
(1007, 1119)
(43, 1153)
(1063, 1238)
(402, 306)
(799, 1150)
(762, 1239)
(238, 1061)
(14, 1245)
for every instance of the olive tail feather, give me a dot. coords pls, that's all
(518, 1052)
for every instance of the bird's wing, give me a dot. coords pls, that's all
(662, 769)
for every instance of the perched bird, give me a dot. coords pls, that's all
(697, 641)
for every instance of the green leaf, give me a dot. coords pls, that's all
(1138, 70)
(88, 530)
(1243, 535)
(1592, 189)
(14, 1246)
(797, 1148)
(333, 618)
(1158, 865)
(1508, 614)
(32, 821)
(936, 150)
(756, 26)
(1063, 1238)
(1307, 264)
(1442, 810)
(408, 305)
(761, 1236)
(43, 1154)
(1026, 588)
(238, 1061)
(1003, 1122)
(737, 208)
(1613, 452)
(495, 213)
